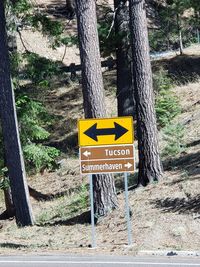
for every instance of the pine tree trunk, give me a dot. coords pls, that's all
(125, 89)
(150, 167)
(93, 94)
(11, 31)
(13, 151)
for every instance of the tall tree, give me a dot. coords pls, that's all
(12, 47)
(125, 95)
(150, 167)
(93, 94)
(177, 8)
(13, 151)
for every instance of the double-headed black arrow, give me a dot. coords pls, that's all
(93, 132)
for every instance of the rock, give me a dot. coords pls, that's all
(179, 231)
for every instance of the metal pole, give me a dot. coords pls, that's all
(92, 212)
(127, 209)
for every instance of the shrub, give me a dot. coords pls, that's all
(173, 135)
(40, 69)
(33, 120)
(167, 105)
(39, 156)
(161, 80)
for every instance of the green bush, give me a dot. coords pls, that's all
(33, 117)
(173, 136)
(167, 105)
(4, 181)
(161, 80)
(33, 120)
(39, 156)
(40, 69)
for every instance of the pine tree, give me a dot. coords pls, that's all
(93, 94)
(125, 94)
(150, 167)
(13, 151)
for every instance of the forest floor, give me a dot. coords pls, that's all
(165, 215)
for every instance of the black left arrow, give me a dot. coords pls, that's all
(93, 132)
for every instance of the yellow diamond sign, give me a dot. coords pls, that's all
(106, 131)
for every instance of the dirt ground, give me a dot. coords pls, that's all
(165, 215)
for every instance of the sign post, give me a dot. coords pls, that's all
(127, 209)
(92, 212)
(106, 146)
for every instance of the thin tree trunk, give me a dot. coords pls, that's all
(150, 167)
(13, 151)
(180, 42)
(180, 39)
(125, 89)
(70, 8)
(10, 209)
(93, 94)
(198, 36)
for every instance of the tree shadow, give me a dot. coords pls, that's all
(132, 182)
(189, 163)
(68, 143)
(194, 143)
(39, 196)
(7, 215)
(83, 218)
(178, 205)
(181, 68)
(12, 245)
(57, 9)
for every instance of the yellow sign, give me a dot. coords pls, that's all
(108, 131)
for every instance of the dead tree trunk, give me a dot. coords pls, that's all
(93, 94)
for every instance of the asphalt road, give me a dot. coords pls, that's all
(99, 261)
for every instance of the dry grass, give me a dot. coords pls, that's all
(165, 215)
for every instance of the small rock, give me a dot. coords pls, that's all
(179, 231)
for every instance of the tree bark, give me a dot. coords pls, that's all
(11, 31)
(93, 94)
(125, 89)
(13, 151)
(150, 167)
